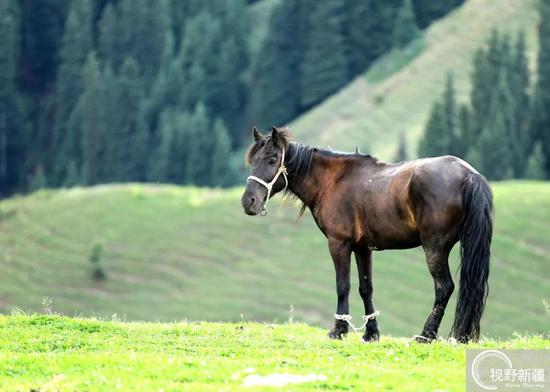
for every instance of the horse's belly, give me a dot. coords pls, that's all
(399, 238)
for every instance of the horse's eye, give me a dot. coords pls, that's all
(262, 143)
(272, 160)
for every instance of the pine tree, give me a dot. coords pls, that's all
(356, 29)
(473, 157)
(401, 154)
(324, 66)
(378, 28)
(12, 138)
(449, 118)
(42, 26)
(198, 141)
(441, 133)
(494, 146)
(38, 179)
(275, 95)
(405, 29)
(435, 141)
(480, 95)
(198, 58)
(161, 159)
(535, 164)
(220, 170)
(541, 112)
(110, 37)
(144, 25)
(158, 26)
(488, 66)
(95, 122)
(466, 139)
(518, 75)
(230, 101)
(77, 43)
(428, 11)
(128, 139)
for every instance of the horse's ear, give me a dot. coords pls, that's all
(276, 137)
(256, 134)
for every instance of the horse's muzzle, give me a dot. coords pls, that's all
(250, 204)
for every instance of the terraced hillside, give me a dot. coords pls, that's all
(396, 94)
(174, 253)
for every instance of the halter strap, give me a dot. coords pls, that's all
(269, 185)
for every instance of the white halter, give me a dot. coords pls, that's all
(269, 186)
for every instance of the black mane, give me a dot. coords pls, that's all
(298, 159)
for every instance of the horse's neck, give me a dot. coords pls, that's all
(325, 171)
(309, 189)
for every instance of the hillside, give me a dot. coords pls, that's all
(175, 253)
(396, 94)
(51, 353)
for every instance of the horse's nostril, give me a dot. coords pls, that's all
(252, 200)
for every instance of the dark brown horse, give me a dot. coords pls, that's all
(362, 204)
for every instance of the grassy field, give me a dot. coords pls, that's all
(175, 253)
(396, 94)
(52, 353)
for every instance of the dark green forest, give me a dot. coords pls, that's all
(99, 91)
(504, 128)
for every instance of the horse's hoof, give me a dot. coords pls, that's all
(371, 337)
(335, 334)
(422, 339)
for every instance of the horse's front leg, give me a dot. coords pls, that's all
(340, 252)
(363, 256)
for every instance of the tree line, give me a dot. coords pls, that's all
(95, 91)
(504, 129)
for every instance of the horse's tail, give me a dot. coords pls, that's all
(476, 230)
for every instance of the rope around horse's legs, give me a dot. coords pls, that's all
(347, 319)
(421, 337)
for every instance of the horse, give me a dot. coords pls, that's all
(362, 204)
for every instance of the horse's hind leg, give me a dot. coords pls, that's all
(340, 252)
(363, 257)
(438, 264)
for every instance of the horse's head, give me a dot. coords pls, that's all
(268, 173)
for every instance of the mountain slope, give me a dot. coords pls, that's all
(371, 111)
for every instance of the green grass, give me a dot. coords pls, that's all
(175, 253)
(53, 353)
(396, 94)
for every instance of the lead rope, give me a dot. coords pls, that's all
(347, 319)
(269, 186)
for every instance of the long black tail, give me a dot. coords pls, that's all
(476, 230)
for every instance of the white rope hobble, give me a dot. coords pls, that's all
(421, 337)
(347, 319)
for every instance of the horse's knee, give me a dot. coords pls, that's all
(447, 288)
(365, 291)
(444, 290)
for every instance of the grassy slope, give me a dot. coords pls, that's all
(167, 259)
(50, 353)
(371, 112)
